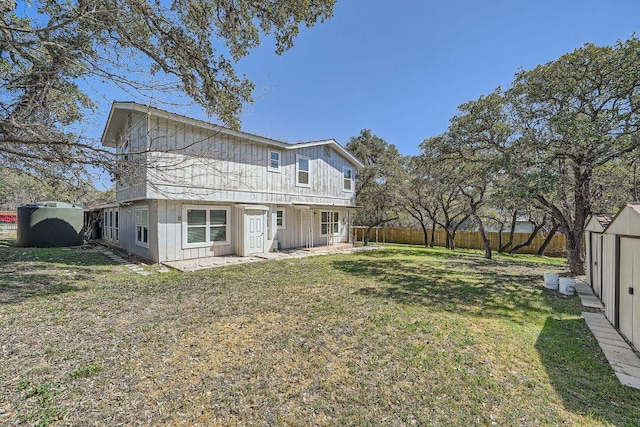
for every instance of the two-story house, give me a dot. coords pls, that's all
(191, 189)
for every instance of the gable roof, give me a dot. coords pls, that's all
(626, 221)
(120, 109)
(599, 222)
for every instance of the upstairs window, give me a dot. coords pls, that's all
(347, 179)
(274, 161)
(303, 171)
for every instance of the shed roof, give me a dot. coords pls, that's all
(626, 222)
(599, 222)
(120, 109)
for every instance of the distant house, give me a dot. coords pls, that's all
(192, 189)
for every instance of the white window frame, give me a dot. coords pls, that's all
(110, 215)
(207, 241)
(284, 219)
(331, 223)
(105, 225)
(135, 212)
(344, 179)
(116, 225)
(298, 183)
(270, 168)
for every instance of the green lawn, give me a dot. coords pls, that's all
(400, 336)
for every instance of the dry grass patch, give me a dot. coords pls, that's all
(401, 336)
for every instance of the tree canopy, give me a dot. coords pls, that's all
(54, 53)
(562, 142)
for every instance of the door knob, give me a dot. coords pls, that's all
(630, 291)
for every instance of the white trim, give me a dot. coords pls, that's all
(351, 180)
(121, 107)
(135, 216)
(330, 223)
(277, 169)
(207, 241)
(254, 207)
(284, 218)
(116, 225)
(308, 171)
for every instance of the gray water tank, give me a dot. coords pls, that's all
(50, 225)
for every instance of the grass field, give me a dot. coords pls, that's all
(400, 336)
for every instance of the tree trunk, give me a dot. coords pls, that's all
(514, 217)
(546, 242)
(532, 236)
(485, 239)
(367, 235)
(451, 240)
(426, 234)
(433, 234)
(575, 251)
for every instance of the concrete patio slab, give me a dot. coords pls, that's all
(224, 261)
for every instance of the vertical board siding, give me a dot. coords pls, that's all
(127, 231)
(202, 164)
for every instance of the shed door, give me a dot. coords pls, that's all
(629, 314)
(596, 264)
(254, 231)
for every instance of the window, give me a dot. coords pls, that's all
(348, 179)
(142, 227)
(110, 224)
(329, 223)
(326, 151)
(106, 225)
(205, 226)
(303, 169)
(115, 225)
(274, 161)
(280, 218)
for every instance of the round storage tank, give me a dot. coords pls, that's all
(50, 224)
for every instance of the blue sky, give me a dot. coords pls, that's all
(400, 68)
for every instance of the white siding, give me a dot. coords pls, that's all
(133, 185)
(170, 218)
(127, 230)
(201, 164)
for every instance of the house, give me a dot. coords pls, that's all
(618, 272)
(595, 242)
(191, 189)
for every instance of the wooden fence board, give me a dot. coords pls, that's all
(466, 239)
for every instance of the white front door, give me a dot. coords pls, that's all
(254, 232)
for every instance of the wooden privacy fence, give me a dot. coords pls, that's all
(465, 239)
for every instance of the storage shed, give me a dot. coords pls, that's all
(595, 242)
(621, 272)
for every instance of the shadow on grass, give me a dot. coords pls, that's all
(457, 282)
(581, 375)
(35, 272)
